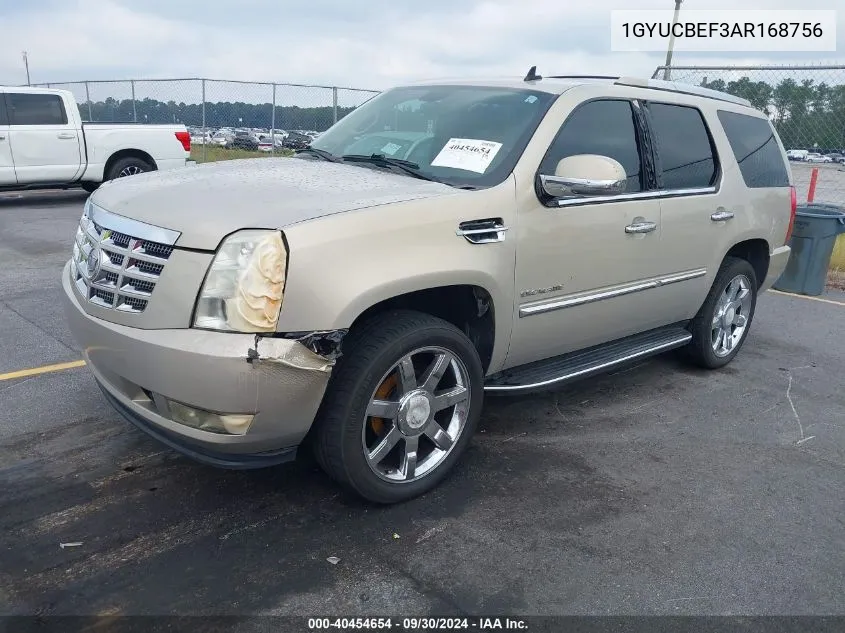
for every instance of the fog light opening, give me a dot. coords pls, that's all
(227, 424)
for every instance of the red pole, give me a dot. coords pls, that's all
(814, 177)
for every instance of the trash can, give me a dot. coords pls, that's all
(813, 236)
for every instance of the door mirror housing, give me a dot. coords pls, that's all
(585, 175)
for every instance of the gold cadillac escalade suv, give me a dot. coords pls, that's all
(443, 241)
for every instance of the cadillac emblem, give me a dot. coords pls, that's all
(92, 262)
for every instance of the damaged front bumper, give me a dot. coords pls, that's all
(279, 381)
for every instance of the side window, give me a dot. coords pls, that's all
(35, 109)
(684, 151)
(3, 119)
(603, 127)
(756, 150)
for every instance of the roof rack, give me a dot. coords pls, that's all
(652, 84)
(687, 89)
(582, 77)
(533, 76)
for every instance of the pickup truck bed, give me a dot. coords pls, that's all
(44, 143)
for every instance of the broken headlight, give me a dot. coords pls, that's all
(243, 289)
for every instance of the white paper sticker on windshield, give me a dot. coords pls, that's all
(391, 148)
(467, 153)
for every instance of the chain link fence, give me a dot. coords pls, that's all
(226, 119)
(807, 106)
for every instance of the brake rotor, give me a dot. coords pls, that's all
(382, 393)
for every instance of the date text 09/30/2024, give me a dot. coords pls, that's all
(417, 624)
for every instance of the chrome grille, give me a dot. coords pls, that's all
(113, 269)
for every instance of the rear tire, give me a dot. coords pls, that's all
(724, 320)
(405, 450)
(128, 166)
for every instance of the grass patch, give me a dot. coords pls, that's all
(837, 260)
(213, 153)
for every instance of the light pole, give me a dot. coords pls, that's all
(26, 65)
(668, 65)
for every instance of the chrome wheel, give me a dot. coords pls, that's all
(730, 319)
(416, 415)
(130, 170)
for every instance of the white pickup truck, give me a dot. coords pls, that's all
(45, 144)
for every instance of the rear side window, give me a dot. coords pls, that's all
(3, 119)
(756, 150)
(684, 150)
(35, 109)
(604, 127)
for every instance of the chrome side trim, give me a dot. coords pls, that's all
(677, 342)
(673, 279)
(128, 226)
(640, 195)
(559, 304)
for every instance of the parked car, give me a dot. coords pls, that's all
(524, 241)
(836, 157)
(45, 144)
(198, 138)
(296, 140)
(797, 154)
(243, 140)
(818, 158)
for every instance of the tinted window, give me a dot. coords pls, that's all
(683, 147)
(35, 109)
(3, 119)
(756, 150)
(599, 127)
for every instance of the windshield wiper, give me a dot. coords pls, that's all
(408, 167)
(319, 152)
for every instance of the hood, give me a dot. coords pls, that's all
(207, 202)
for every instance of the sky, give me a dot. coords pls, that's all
(358, 43)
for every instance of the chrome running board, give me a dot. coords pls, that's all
(581, 364)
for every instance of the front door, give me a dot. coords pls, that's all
(584, 276)
(45, 144)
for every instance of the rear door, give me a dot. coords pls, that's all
(694, 193)
(7, 164)
(44, 142)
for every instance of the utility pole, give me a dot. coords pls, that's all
(667, 67)
(26, 65)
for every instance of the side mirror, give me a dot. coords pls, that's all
(585, 175)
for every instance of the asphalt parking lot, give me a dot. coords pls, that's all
(830, 186)
(657, 490)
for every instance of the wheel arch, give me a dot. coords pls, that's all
(469, 307)
(128, 153)
(756, 252)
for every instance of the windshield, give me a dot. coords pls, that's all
(459, 135)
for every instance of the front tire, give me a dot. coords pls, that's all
(722, 324)
(401, 407)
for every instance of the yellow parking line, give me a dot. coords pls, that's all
(24, 373)
(789, 294)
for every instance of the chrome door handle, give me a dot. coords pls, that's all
(66, 135)
(721, 216)
(641, 227)
(483, 231)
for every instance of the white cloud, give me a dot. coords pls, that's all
(369, 43)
